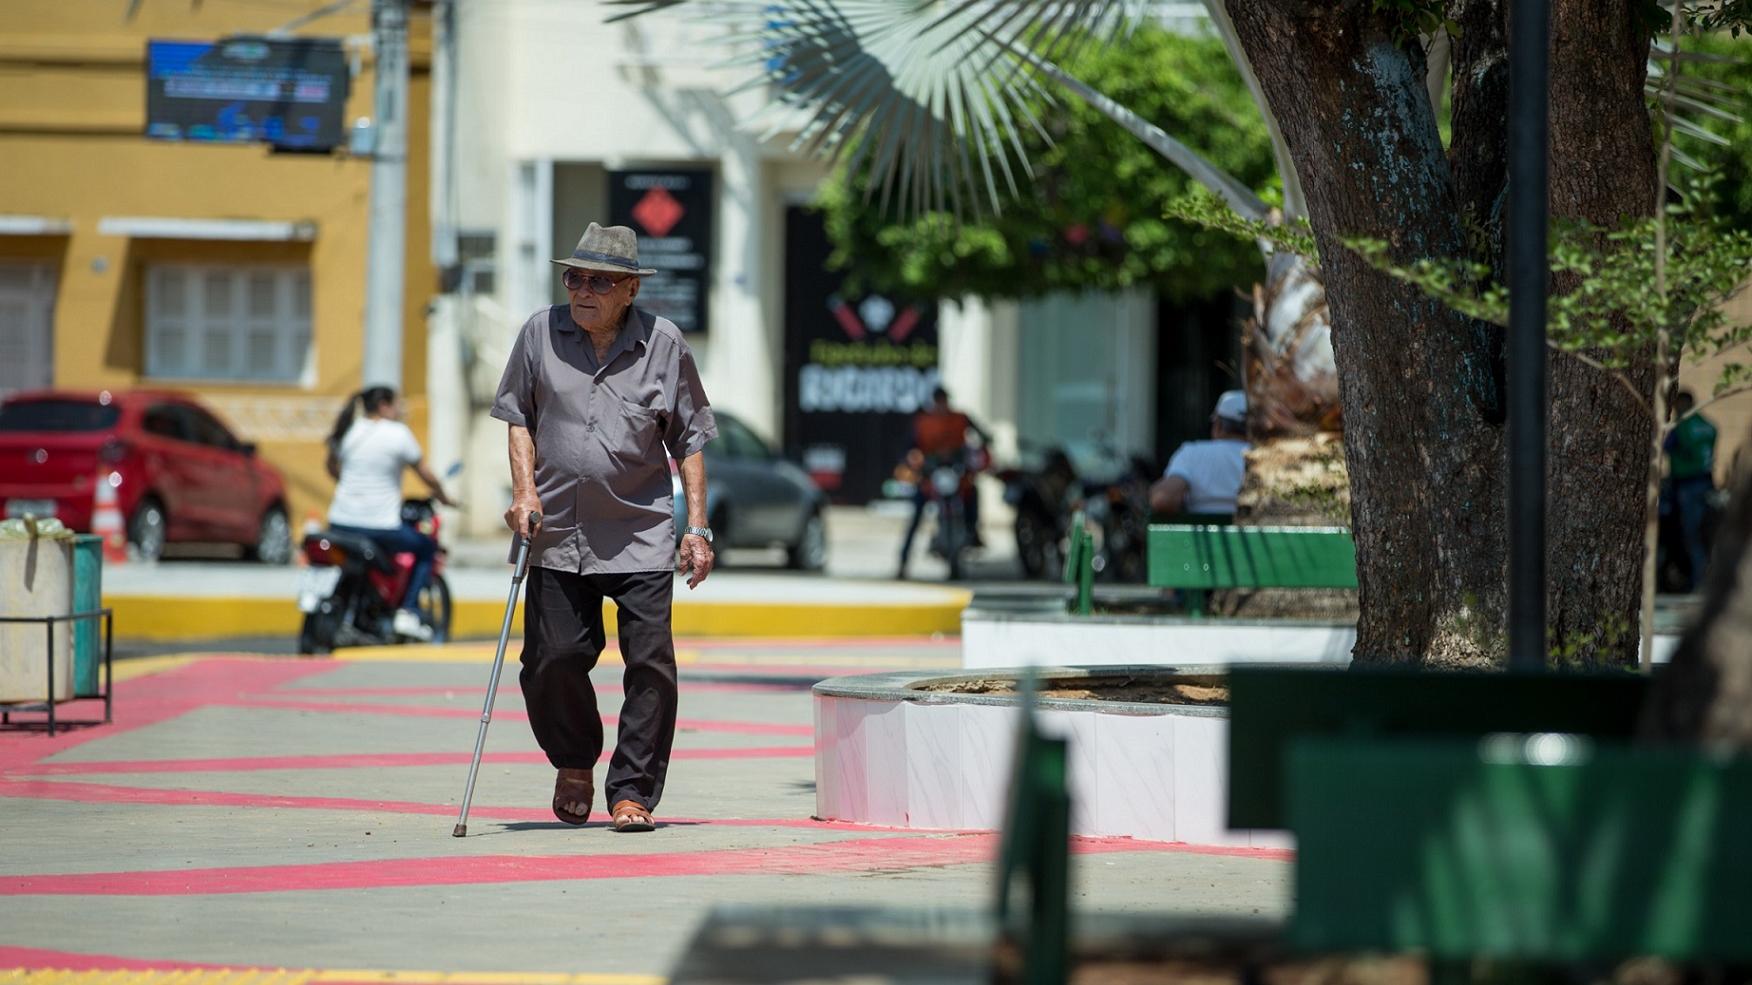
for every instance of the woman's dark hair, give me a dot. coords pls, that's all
(372, 399)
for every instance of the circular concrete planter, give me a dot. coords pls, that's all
(889, 752)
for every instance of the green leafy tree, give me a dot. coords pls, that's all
(1093, 217)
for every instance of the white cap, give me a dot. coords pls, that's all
(1232, 406)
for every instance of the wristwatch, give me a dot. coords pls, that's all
(705, 532)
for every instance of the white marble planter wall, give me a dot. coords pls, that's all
(1007, 639)
(893, 758)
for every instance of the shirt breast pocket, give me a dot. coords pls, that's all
(640, 431)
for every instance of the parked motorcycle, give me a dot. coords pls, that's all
(1111, 488)
(1119, 507)
(1042, 498)
(352, 588)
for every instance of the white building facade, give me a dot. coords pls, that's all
(547, 103)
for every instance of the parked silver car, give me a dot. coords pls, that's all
(754, 498)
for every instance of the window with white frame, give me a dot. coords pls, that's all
(248, 323)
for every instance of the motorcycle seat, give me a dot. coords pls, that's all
(364, 549)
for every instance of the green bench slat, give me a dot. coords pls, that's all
(1511, 849)
(1210, 557)
(1273, 708)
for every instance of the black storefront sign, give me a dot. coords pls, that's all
(290, 92)
(671, 210)
(857, 368)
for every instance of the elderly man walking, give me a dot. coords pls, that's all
(598, 396)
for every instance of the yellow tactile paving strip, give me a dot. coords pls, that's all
(252, 976)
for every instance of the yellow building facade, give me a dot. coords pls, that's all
(109, 239)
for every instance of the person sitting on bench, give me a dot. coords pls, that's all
(1205, 476)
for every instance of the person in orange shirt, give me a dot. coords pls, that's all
(939, 435)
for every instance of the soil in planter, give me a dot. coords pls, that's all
(1144, 690)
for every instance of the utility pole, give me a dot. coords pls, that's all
(387, 232)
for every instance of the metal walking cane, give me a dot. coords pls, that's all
(474, 765)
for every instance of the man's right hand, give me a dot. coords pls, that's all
(517, 517)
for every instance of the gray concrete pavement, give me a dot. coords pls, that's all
(291, 813)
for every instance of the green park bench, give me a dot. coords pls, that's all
(1197, 559)
(1500, 815)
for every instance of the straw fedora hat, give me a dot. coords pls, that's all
(610, 249)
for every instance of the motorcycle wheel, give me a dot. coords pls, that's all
(316, 636)
(954, 539)
(1034, 544)
(435, 606)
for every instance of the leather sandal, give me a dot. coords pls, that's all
(573, 785)
(631, 816)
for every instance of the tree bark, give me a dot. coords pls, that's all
(1602, 172)
(1419, 383)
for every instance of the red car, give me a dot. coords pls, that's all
(178, 473)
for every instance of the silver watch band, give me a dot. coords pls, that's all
(705, 532)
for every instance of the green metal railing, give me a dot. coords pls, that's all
(1080, 565)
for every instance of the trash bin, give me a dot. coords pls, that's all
(36, 579)
(87, 597)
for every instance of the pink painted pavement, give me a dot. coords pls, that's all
(28, 770)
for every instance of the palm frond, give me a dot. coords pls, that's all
(1693, 98)
(932, 97)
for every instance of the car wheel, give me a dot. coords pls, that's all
(810, 551)
(146, 529)
(273, 539)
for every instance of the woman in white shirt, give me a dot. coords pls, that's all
(366, 455)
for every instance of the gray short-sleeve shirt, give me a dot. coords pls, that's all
(604, 434)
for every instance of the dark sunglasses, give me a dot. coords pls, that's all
(575, 279)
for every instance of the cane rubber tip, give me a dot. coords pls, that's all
(459, 831)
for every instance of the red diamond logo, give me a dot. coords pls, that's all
(658, 212)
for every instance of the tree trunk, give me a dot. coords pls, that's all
(1419, 383)
(1422, 386)
(1602, 171)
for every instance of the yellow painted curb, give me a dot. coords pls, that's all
(166, 617)
(253, 976)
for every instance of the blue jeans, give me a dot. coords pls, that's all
(398, 540)
(1691, 498)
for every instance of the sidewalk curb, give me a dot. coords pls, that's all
(195, 618)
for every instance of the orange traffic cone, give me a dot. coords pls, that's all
(106, 522)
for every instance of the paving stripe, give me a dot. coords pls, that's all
(688, 682)
(354, 761)
(889, 854)
(36, 966)
(884, 854)
(858, 855)
(103, 793)
(510, 714)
